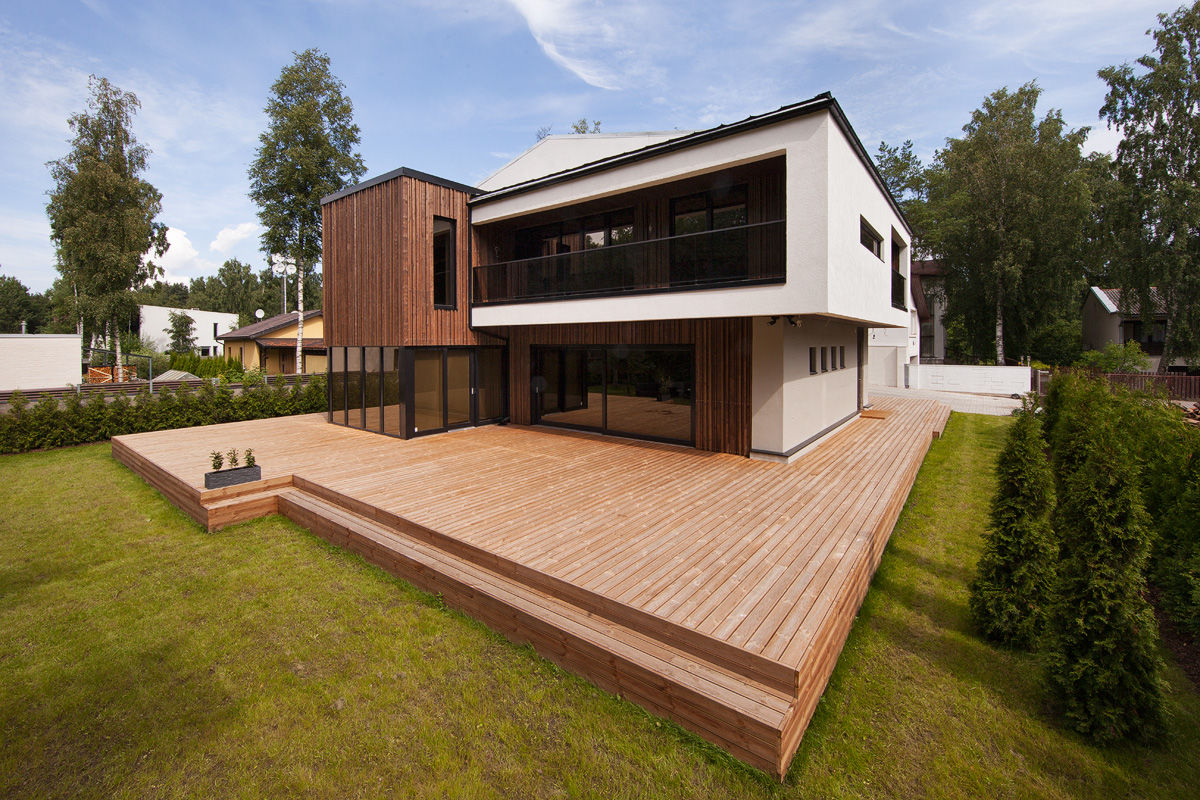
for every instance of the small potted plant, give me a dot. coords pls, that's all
(232, 475)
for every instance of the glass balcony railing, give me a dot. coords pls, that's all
(736, 256)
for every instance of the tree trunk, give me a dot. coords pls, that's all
(299, 318)
(999, 322)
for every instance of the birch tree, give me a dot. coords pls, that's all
(1156, 108)
(103, 213)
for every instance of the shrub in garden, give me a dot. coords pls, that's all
(1011, 590)
(1102, 663)
(1176, 568)
(54, 423)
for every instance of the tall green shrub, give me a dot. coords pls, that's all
(1102, 664)
(1176, 568)
(1011, 591)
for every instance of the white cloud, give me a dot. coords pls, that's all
(613, 45)
(230, 235)
(182, 261)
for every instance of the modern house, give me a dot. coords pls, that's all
(270, 344)
(893, 350)
(208, 326)
(1104, 321)
(711, 288)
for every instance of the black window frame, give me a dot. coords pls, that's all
(866, 231)
(449, 282)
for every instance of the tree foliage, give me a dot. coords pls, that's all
(1008, 213)
(307, 152)
(1158, 163)
(1010, 595)
(581, 126)
(181, 331)
(18, 304)
(102, 212)
(1128, 357)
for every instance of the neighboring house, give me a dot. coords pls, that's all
(712, 288)
(270, 344)
(40, 360)
(156, 324)
(1104, 322)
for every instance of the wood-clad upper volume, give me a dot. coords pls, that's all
(378, 245)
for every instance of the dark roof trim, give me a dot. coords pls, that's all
(403, 172)
(823, 101)
(264, 326)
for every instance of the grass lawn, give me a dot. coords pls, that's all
(142, 657)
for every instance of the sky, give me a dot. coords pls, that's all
(458, 89)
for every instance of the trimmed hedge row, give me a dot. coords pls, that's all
(53, 423)
(1125, 510)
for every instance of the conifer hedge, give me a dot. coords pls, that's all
(1102, 663)
(51, 423)
(1011, 591)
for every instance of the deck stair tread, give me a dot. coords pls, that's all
(695, 689)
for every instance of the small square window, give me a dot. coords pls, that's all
(812, 361)
(869, 238)
(842, 355)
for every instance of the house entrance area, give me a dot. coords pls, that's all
(411, 391)
(645, 392)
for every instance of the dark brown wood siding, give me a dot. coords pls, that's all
(378, 266)
(723, 353)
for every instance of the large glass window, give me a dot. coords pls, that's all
(458, 387)
(337, 385)
(354, 387)
(372, 386)
(647, 392)
(427, 390)
(443, 263)
(704, 255)
(392, 403)
(490, 379)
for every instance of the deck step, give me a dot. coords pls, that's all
(751, 666)
(745, 717)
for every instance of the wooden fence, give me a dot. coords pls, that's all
(1177, 387)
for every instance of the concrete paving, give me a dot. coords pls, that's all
(958, 401)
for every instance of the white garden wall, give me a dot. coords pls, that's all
(976, 380)
(39, 361)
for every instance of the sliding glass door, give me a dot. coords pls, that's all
(645, 392)
(413, 391)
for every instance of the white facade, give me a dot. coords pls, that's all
(828, 190)
(892, 349)
(40, 361)
(156, 322)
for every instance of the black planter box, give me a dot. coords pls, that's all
(232, 477)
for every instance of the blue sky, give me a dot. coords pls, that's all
(457, 89)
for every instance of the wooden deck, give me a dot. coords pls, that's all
(711, 589)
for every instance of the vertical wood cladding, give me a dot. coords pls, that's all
(723, 353)
(378, 245)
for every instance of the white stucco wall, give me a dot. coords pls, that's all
(976, 380)
(156, 321)
(40, 361)
(827, 189)
(790, 405)
(557, 153)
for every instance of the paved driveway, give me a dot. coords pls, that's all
(958, 401)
